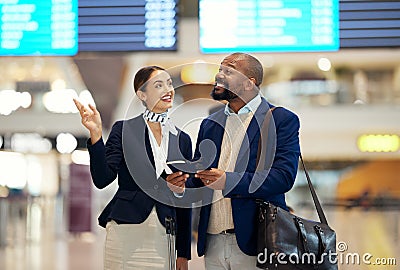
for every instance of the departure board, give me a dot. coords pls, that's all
(369, 24)
(38, 27)
(268, 26)
(127, 25)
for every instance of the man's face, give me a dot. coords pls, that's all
(229, 79)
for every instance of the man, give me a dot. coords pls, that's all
(227, 233)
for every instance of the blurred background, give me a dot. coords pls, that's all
(336, 64)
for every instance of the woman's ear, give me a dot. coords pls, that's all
(141, 95)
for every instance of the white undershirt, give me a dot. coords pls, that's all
(160, 152)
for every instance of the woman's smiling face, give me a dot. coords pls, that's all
(158, 92)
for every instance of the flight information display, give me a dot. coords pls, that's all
(127, 25)
(369, 24)
(33, 27)
(268, 26)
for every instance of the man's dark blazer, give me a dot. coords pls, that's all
(128, 155)
(273, 181)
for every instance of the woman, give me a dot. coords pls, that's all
(135, 217)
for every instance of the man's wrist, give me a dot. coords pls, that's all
(179, 195)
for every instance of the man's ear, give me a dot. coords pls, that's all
(249, 84)
(141, 95)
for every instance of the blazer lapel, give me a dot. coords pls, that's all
(252, 130)
(174, 151)
(148, 147)
(218, 122)
(135, 143)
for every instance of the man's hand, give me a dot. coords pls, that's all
(182, 263)
(176, 182)
(214, 178)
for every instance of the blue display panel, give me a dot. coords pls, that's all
(369, 24)
(38, 27)
(127, 25)
(268, 26)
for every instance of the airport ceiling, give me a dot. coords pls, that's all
(104, 74)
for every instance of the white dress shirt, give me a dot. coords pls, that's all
(160, 152)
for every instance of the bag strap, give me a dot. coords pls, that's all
(261, 160)
(317, 204)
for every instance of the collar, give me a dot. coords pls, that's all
(162, 118)
(250, 106)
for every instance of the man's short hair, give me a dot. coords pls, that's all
(253, 67)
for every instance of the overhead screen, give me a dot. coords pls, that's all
(33, 27)
(265, 26)
(293, 26)
(369, 24)
(62, 27)
(127, 25)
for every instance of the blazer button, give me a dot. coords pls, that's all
(155, 186)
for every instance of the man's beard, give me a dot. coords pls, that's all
(225, 95)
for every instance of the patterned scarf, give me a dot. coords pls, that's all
(155, 117)
(161, 118)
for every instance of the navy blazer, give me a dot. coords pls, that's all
(273, 182)
(128, 155)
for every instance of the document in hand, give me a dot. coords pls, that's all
(188, 167)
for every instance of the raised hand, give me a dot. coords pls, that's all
(91, 120)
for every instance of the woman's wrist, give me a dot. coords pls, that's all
(95, 136)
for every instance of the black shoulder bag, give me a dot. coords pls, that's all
(286, 241)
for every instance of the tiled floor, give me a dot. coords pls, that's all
(74, 253)
(39, 241)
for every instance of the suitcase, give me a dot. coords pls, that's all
(170, 227)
